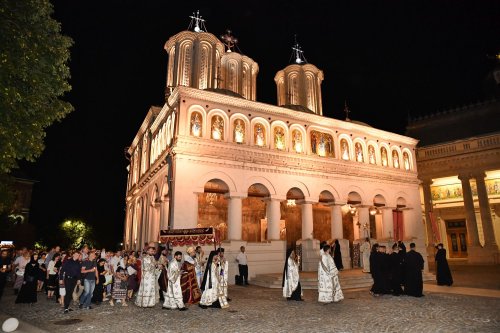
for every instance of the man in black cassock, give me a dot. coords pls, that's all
(443, 273)
(396, 264)
(414, 264)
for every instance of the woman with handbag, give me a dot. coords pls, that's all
(27, 293)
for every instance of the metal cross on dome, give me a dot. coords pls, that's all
(229, 40)
(198, 21)
(298, 53)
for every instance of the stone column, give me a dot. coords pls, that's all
(234, 218)
(426, 187)
(336, 223)
(273, 213)
(473, 239)
(387, 223)
(307, 221)
(484, 207)
(164, 212)
(364, 219)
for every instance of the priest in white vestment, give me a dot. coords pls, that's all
(212, 286)
(173, 296)
(224, 269)
(291, 284)
(148, 288)
(365, 250)
(328, 279)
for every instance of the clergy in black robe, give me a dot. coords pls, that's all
(385, 270)
(376, 271)
(414, 264)
(27, 293)
(443, 274)
(396, 264)
(337, 256)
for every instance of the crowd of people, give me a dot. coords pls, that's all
(90, 276)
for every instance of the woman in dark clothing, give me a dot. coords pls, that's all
(443, 274)
(97, 296)
(27, 293)
(337, 256)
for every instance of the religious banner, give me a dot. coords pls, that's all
(435, 229)
(188, 237)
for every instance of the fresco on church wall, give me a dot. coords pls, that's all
(279, 138)
(196, 129)
(253, 211)
(259, 135)
(344, 149)
(293, 223)
(212, 212)
(239, 131)
(358, 150)
(217, 128)
(297, 145)
(322, 144)
(322, 221)
(371, 154)
(493, 186)
(383, 156)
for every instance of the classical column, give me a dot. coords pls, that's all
(307, 220)
(484, 207)
(235, 217)
(473, 238)
(154, 223)
(273, 213)
(337, 225)
(426, 187)
(364, 219)
(164, 212)
(387, 222)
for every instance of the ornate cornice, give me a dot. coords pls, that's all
(152, 113)
(271, 161)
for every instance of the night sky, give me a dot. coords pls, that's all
(388, 59)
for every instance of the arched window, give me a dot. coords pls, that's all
(196, 128)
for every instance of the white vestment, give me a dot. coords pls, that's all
(148, 291)
(328, 281)
(365, 249)
(173, 296)
(291, 278)
(214, 291)
(224, 270)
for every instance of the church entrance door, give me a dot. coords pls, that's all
(456, 233)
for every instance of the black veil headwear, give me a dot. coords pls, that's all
(285, 269)
(208, 272)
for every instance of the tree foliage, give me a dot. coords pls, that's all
(33, 77)
(76, 233)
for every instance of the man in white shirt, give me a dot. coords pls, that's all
(242, 260)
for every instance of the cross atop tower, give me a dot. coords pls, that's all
(198, 21)
(229, 40)
(298, 53)
(347, 111)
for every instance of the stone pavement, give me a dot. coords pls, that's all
(257, 309)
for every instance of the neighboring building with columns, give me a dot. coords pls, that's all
(264, 176)
(459, 164)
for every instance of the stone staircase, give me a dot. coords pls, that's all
(350, 279)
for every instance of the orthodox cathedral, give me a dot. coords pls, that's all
(264, 176)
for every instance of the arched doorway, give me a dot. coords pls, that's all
(322, 216)
(212, 207)
(292, 214)
(254, 224)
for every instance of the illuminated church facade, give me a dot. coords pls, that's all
(265, 176)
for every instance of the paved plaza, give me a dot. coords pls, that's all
(258, 309)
